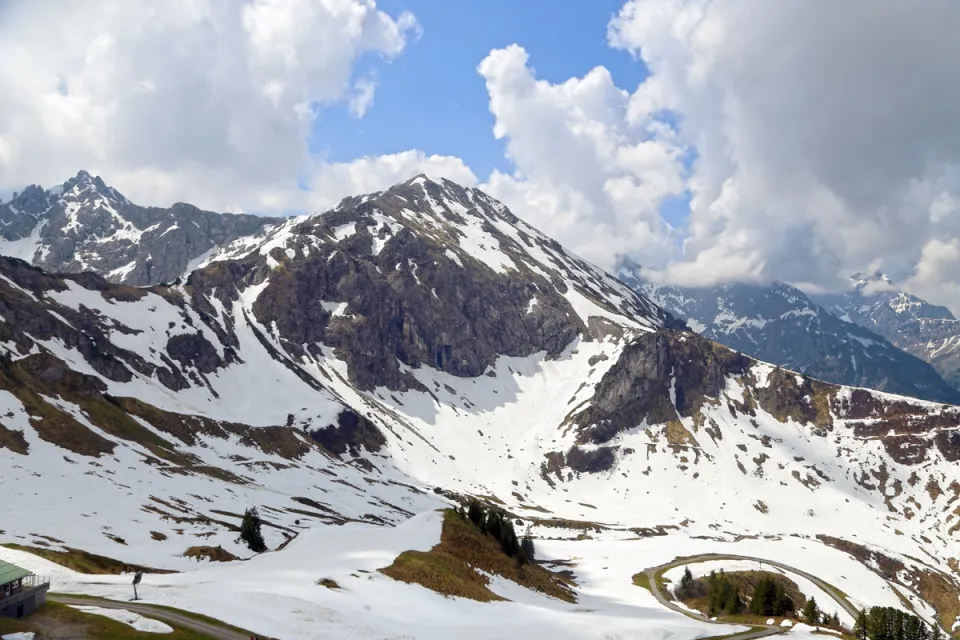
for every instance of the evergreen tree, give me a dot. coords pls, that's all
(784, 605)
(936, 634)
(685, 590)
(769, 598)
(494, 523)
(508, 539)
(723, 597)
(860, 625)
(527, 550)
(475, 512)
(250, 531)
(811, 613)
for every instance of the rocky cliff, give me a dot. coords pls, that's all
(85, 225)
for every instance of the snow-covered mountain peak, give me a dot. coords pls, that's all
(85, 187)
(84, 224)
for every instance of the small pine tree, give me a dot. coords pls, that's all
(508, 539)
(475, 512)
(860, 625)
(685, 590)
(494, 523)
(250, 531)
(936, 634)
(527, 550)
(811, 613)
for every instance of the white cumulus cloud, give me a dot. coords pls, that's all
(199, 100)
(588, 172)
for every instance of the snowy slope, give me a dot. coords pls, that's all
(339, 368)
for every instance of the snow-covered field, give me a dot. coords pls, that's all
(277, 594)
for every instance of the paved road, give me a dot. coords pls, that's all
(215, 631)
(768, 631)
(830, 591)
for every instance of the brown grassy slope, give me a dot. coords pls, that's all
(85, 562)
(60, 621)
(450, 568)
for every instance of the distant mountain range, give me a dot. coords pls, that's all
(84, 225)
(845, 341)
(928, 331)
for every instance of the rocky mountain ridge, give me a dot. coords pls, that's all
(926, 330)
(85, 225)
(780, 324)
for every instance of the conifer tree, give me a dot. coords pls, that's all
(508, 539)
(250, 531)
(811, 613)
(860, 625)
(494, 523)
(685, 590)
(475, 512)
(527, 550)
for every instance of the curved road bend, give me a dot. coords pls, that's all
(768, 631)
(215, 631)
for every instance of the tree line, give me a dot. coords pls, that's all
(497, 524)
(769, 598)
(887, 623)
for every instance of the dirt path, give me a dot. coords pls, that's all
(215, 631)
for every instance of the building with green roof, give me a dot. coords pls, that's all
(21, 591)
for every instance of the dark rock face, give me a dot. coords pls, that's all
(637, 387)
(352, 433)
(30, 315)
(779, 324)
(84, 225)
(395, 290)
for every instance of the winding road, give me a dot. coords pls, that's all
(652, 572)
(211, 629)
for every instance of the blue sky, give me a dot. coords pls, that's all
(431, 97)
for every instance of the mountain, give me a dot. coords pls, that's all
(778, 323)
(85, 225)
(928, 331)
(357, 369)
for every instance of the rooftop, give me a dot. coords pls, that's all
(10, 572)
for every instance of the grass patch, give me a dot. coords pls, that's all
(329, 583)
(642, 580)
(186, 614)
(55, 620)
(85, 562)
(450, 568)
(213, 554)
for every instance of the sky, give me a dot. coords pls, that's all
(709, 140)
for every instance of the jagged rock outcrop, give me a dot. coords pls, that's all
(85, 225)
